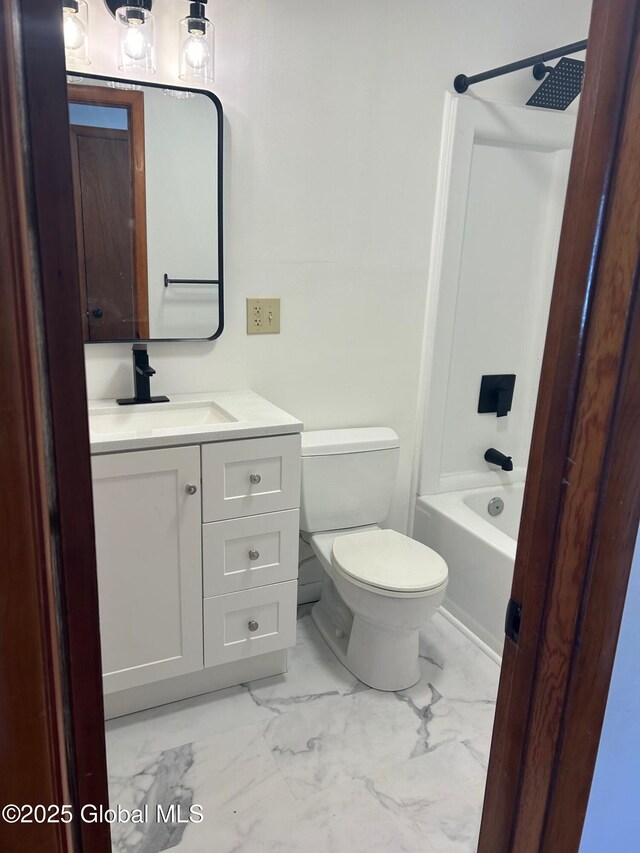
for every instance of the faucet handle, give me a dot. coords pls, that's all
(503, 402)
(145, 370)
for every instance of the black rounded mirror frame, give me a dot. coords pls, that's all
(218, 105)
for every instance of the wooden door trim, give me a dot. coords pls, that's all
(579, 382)
(613, 351)
(77, 196)
(133, 102)
(100, 132)
(68, 475)
(34, 767)
(98, 96)
(601, 609)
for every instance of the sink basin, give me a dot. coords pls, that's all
(185, 419)
(150, 417)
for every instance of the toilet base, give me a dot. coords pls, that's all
(380, 658)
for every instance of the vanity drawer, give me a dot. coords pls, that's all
(244, 553)
(250, 476)
(254, 622)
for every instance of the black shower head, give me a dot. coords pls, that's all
(561, 87)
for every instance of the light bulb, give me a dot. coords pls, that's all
(196, 46)
(74, 31)
(135, 43)
(136, 40)
(196, 51)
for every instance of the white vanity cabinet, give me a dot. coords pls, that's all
(148, 522)
(253, 553)
(197, 550)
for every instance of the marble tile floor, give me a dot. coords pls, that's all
(313, 760)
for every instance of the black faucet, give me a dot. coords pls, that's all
(494, 457)
(142, 373)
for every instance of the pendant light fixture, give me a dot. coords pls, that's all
(75, 21)
(196, 46)
(136, 39)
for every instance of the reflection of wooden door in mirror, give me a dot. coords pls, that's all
(107, 148)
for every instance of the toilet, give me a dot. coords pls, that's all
(379, 587)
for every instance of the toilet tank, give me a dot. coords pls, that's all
(348, 476)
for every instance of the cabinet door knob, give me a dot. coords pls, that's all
(252, 625)
(254, 479)
(253, 554)
(190, 489)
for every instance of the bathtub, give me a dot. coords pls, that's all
(480, 550)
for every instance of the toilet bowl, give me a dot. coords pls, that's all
(391, 585)
(379, 586)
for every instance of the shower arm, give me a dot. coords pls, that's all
(462, 82)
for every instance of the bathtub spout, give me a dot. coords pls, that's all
(494, 457)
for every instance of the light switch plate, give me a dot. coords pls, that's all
(263, 316)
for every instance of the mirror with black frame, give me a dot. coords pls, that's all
(147, 171)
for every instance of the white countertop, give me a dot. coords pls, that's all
(185, 419)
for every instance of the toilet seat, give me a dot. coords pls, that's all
(387, 560)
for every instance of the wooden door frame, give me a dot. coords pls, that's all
(52, 748)
(582, 483)
(32, 693)
(133, 102)
(582, 462)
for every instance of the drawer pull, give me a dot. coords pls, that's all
(253, 625)
(254, 479)
(190, 489)
(253, 554)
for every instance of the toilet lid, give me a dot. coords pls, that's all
(388, 560)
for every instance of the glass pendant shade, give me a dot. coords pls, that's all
(196, 47)
(75, 24)
(136, 41)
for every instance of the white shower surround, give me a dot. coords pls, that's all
(503, 173)
(490, 282)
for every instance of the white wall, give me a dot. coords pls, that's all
(613, 817)
(333, 121)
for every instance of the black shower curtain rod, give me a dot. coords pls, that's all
(462, 82)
